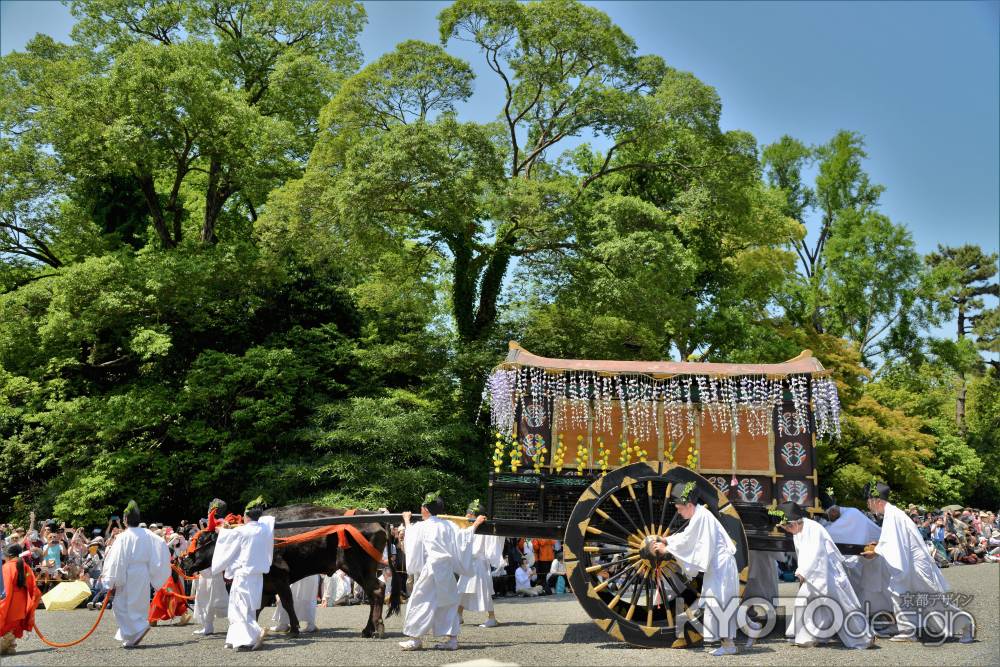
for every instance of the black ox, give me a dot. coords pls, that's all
(320, 556)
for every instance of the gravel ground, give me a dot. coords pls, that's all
(539, 631)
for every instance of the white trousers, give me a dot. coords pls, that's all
(244, 601)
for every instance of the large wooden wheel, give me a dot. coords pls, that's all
(630, 597)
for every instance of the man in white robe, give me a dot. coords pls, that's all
(211, 599)
(476, 588)
(244, 555)
(137, 562)
(916, 584)
(870, 578)
(437, 550)
(704, 546)
(304, 600)
(821, 576)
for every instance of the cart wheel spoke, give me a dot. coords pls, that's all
(629, 593)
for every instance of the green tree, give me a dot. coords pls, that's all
(984, 435)
(207, 105)
(967, 274)
(401, 165)
(860, 277)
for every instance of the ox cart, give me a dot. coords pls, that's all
(588, 452)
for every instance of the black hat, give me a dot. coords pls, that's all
(827, 499)
(432, 501)
(132, 515)
(476, 508)
(790, 512)
(14, 550)
(255, 508)
(876, 489)
(685, 493)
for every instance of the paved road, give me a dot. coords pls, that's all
(541, 631)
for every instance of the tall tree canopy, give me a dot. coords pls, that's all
(235, 261)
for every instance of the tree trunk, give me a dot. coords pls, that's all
(463, 291)
(215, 197)
(148, 188)
(960, 405)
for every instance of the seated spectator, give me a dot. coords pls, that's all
(557, 572)
(524, 577)
(993, 546)
(337, 590)
(977, 548)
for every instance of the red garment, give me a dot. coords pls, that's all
(169, 602)
(212, 521)
(17, 610)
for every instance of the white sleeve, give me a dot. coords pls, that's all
(692, 546)
(462, 550)
(494, 550)
(413, 548)
(268, 523)
(811, 557)
(159, 562)
(890, 544)
(227, 549)
(113, 572)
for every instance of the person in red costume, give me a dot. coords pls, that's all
(170, 602)
(17, 609)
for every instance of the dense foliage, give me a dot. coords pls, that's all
(234, 262)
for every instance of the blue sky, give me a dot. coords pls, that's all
(921, 81)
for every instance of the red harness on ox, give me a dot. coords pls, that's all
(341, 531)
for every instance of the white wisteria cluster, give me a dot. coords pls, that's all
(730, 403)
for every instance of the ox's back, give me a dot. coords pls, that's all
(322, 555)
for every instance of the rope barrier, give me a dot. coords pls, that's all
(104, 606)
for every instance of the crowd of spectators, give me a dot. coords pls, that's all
(959, 536)
(58, 552)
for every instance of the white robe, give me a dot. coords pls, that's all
(137, 561)
(304, 600)
(821, 566)
(244, 555)
(476, 588)
(436, 550)
(704, 546)
(869, 577)
(211, 599)
(913, 573)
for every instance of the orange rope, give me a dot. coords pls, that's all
(181, 574)
(104, 606)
